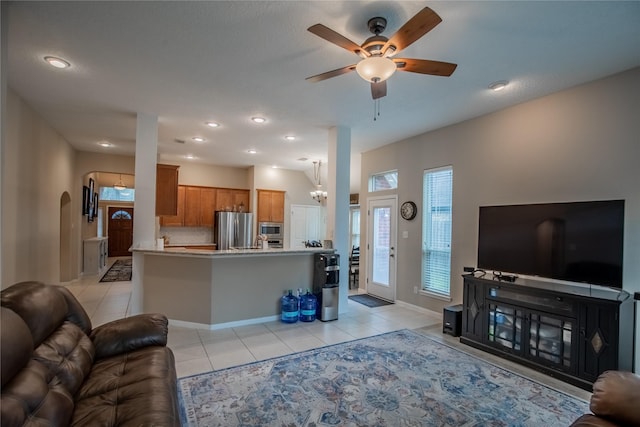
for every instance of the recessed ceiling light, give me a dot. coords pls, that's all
(499, 85)
(105, 144)
(57, 62)
(213, 124)
(251, 151)
(198, 139)
(274, 167)
(258, 119)
(190, 156)
(290, 138)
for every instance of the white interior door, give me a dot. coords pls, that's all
(381, 256)
(305, 225)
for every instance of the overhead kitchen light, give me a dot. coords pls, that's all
(120, 185)
(251, 151)
(213, 124)
(290, 138)
(198, 139)
(498, 86)
(57, 62)
(376, 69)
(258, 119)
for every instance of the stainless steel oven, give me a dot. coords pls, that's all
(273, 230)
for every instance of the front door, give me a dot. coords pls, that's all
(381, 256)
(120, 231)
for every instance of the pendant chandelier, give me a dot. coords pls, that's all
(120, 185)
(318, 195)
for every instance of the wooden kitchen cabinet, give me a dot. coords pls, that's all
(199, 205)
(270, 206)
(196, 205)
(167, 190)
(231, 199)
(178, 219)
(207, 206)
(192, 206)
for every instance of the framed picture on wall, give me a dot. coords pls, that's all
(91, 186)
(86, 200)
(95, 205)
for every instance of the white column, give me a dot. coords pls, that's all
(338, 175)
(144, 218)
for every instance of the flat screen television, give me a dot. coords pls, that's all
(576, 241)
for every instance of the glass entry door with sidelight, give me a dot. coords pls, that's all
(381, 261)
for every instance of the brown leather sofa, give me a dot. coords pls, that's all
(615, 401)
(58, 371)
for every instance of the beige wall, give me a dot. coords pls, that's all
(575, 145)
(38, 168)
(297, 186)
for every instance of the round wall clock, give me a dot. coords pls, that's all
(408, 210)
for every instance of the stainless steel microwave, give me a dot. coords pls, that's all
(271, 229)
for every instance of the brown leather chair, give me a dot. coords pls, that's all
(615, 401)
(58, 371)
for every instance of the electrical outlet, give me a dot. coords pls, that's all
(415, 289)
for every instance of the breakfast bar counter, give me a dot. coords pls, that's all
(217, 289)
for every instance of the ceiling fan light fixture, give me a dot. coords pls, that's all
(376, 69)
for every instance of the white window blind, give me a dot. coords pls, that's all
(436, 230)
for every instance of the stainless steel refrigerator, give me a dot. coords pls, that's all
(233, 230)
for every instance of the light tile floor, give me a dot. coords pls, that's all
(200, 350)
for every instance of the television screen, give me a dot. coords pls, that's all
(577, 242)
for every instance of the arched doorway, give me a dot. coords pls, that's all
(66, 270)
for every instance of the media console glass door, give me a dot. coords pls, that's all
(531, 333)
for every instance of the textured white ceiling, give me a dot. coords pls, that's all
(193, 61)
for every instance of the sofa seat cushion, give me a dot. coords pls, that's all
(131, 389)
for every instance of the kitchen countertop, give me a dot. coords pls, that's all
(184, 250)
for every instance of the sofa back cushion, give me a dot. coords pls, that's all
(42, 307)
(58, 326)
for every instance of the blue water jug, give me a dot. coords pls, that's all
(289, 303)
(308, 303)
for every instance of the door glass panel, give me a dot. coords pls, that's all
(381, 245)
(505, 326)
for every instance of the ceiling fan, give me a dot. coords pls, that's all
(377, 63)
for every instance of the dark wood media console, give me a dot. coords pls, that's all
(572, 332)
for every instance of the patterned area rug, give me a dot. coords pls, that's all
(120, 271)
(369, 300)
(401, 378)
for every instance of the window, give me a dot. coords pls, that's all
(383, 181)
(110, 193)
(436, 230)
(121, 215)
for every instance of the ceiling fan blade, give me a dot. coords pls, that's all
(378, 90)
(338, 39)
(333, 73)
(425, 66)
(416, 27)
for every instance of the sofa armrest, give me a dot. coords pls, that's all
(128, 334)
(616, 396)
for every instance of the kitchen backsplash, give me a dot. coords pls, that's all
(184, 235)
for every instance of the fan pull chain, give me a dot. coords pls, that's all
(376, 109)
